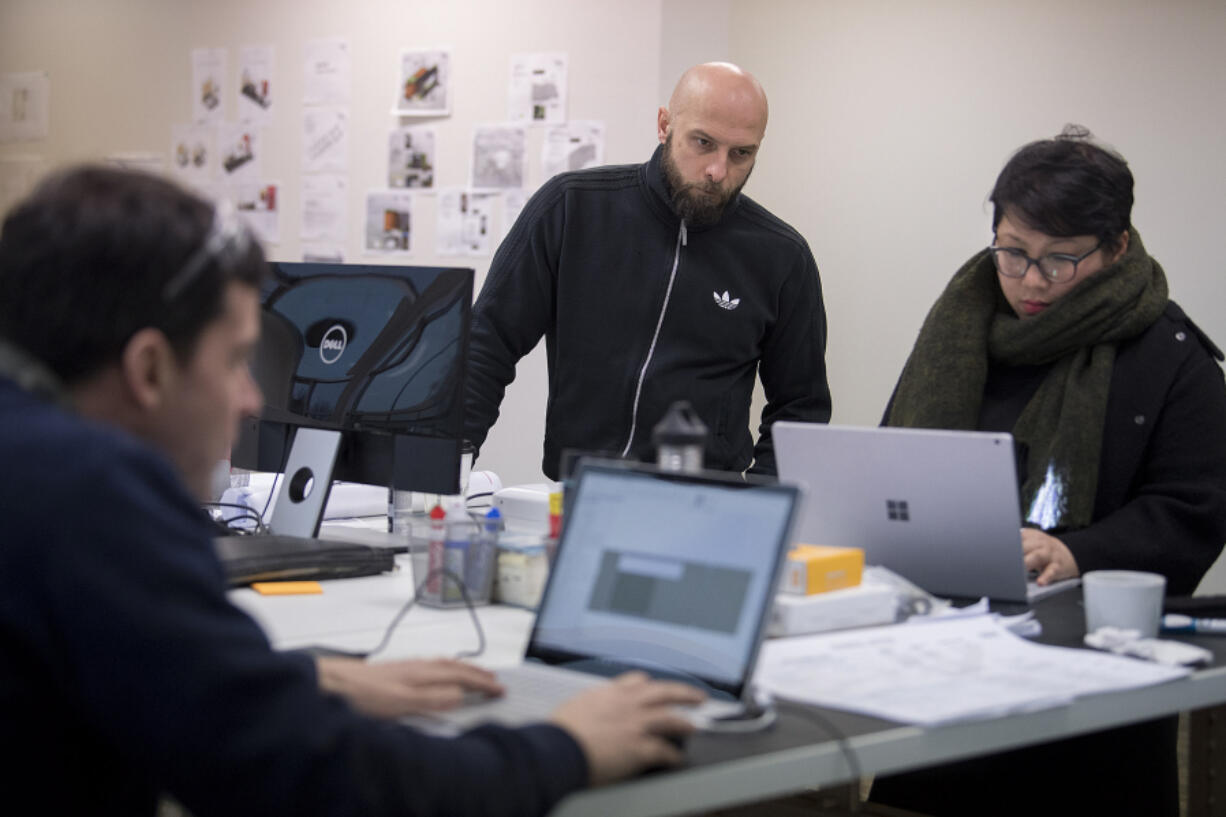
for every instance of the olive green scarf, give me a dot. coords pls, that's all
(971, 324)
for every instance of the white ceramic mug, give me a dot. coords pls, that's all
(1128, 599)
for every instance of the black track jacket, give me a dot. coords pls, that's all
(638, 311)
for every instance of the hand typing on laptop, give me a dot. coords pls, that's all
(393, 689)
(1048, 556)
(629, 725)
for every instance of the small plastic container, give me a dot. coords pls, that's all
(523, 567)
(457, 545)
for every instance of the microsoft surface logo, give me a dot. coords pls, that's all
(897, 510)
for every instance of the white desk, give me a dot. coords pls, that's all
(725, 770)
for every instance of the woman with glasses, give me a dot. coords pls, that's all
(1062, 333)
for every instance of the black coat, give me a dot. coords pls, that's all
(1161, 500)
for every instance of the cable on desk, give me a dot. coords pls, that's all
(447, 575)
(247, 513)
(849, 757)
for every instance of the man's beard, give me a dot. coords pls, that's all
(700, 205)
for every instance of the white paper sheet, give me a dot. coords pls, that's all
(255, 83)
(240, 152)
(324, 209)
(192, 155)
(258, 207)
(465, 222)
(572, 146)
(25, 106)
(325, 140)
(326, 72)
(208, 84)
(513, 201)
(538, 88)
(410, 157)
(424, 87)
(322, 254)
(498, 157)
(389, 222)
(942, 671)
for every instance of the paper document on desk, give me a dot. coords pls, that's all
(942, 671)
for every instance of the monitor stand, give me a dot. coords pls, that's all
(308, 481)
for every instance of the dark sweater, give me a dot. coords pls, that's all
(125, 672)
(588, 267)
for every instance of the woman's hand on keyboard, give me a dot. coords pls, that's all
(629, 725)
(393, 689)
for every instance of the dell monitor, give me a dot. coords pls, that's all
(374, 354)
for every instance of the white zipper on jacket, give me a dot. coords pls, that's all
(638, 389)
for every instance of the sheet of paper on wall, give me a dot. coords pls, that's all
(255, 83)
(240, 152)
(25, 106)
(410, 157)
(513, 201)
(138, 160)
(465, 222)
(18, 176)
(324, 209)
(326, 72)
(943, 671)
(424, 87)
(192, 155)
(538, 87)
(322, 254)
(498, 157)
(258, 207)
(208, 84)
(572, 146)
(389, 222)
(325, 140)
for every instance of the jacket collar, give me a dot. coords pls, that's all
(651, 177)
(30, 374)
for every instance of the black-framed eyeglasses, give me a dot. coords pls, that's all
(1058, 267)
(228, 238)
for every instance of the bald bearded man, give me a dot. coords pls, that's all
(654, 283)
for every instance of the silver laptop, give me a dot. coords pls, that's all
(670, 573)
(938, 507)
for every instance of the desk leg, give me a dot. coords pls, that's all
(1206, 752)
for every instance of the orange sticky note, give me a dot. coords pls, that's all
(287, 588)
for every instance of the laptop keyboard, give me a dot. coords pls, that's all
(533, 692)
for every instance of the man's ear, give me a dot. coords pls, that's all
(662, 124)
(148, 368)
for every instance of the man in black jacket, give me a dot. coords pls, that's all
(128, 313)
(655, 283)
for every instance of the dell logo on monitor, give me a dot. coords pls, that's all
(332, 346)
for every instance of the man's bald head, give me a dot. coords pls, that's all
(722, 90)
(711, 131)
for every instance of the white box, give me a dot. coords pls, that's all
(525, 507)
(861, 606)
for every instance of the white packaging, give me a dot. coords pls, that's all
(860, 606)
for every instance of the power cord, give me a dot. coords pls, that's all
(438, 572)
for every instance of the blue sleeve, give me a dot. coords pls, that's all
(161, 666)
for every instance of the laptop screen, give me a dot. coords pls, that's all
(667, 571)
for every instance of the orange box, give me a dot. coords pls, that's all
(813, 569)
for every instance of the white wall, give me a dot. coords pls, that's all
(890, 121)
(121, 75)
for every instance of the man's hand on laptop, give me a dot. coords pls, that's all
(624, 727)
(393, 689)
(1048, 556)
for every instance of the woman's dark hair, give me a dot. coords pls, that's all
(1067, 186)
(86, 260)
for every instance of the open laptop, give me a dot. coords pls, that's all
(939, 508)
(665, 572)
